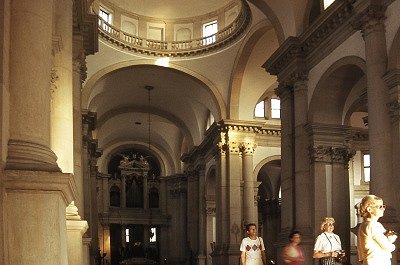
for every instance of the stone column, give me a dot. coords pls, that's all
(62, 122)
(79, 76)
(341, 188)
(302, 180)
(379, 126)
(392, 79)
(202, 231)
(145, 193)
(30, 75)
(221, 201)
(285, 94)
(123, 191)
(106, 194)
(193, 216)
(250, 213)
(35, 204)
(75, 230)
(234, 225)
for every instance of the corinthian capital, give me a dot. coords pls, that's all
(371, 19)
(320, 153)
(247, 148)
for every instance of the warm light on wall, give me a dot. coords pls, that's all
(163, 61)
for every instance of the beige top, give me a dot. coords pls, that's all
(372, 243)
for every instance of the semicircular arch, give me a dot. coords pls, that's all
(203, 81)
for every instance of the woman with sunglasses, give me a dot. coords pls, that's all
(375, 243)
(327, 246)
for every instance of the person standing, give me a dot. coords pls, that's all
(252, 248)
(327, 246)
(374, 242)
(292, 253)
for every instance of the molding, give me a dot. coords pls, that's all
(193, 47)
(302, 53)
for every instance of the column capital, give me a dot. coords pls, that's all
(320, 153)
(247, 148)
(284, 91)
(234, 148)
(371, 19)
(329, 154)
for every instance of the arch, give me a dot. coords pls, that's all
(262, 163)
(123, 110)
(203, 81)
(330, 94)
(267, 11)
(240, 65)
(167, 165)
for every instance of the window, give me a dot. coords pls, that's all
(275, 108)
(127, 235)
(367, 167)
(327, 3)
(106, 16)
(153, 234)
(209, 31)
(259, 111)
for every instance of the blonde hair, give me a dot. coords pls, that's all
(368, 201)
(325, 221)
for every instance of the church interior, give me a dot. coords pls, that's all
(152, 132)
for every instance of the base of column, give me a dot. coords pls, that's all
(75, 231)
(24, 155)
(226, 254)
(35, 228)
(201, 260)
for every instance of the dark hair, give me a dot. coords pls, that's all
(294, 232)
(248, 226)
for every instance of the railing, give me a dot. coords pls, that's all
(176, 48)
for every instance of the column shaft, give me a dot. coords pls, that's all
(30, 67)
(249, 207)
(378, 98)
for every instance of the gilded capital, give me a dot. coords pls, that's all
(247, 148)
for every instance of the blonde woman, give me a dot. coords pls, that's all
(375, 243)
(327, 245)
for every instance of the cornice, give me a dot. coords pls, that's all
(299, 54)
(86, 24)
(216, 137)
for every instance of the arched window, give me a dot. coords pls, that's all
(115, 197)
